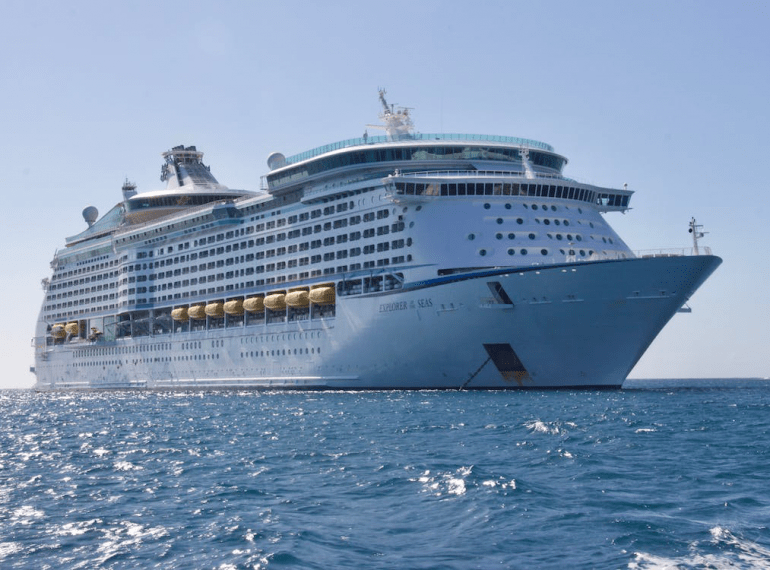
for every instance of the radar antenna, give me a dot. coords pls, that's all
(398, 123)
(695, 230)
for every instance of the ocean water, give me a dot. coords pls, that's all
(665, 474)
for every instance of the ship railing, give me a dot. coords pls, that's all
(673, 252)
(477, 174)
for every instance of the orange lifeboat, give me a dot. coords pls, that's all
(196, 312)
(322, 295)
(234, 307)
(254, 304)
(276, 302)
(215, 310)
(179, 314)
(298, 299)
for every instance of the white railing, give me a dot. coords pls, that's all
(673, 252)
(478, 174)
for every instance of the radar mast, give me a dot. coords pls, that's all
(398, 123)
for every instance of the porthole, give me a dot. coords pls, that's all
(532, 236)
(572, 252)
(559, 236)
(579, 237)
(557, 222)
(499, 235)
(418, 208)
(534, 206)
(580, 211)
(604, 239)
(499, 220)
(610, 240)
(583, 252)
(511, 236)
(519, 221)
(471, 237)
(411, 224)
(591, 224)
(566, 222)
(545, 207)
(482, 252)
(547, 222)
(544, 251)
(511, 251)
(487, 206)
(507, 206)
(569, 237)
(523, 252)
(553, 208)
(408, 241)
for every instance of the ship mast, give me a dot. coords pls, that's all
(695, 230)
(398, 123)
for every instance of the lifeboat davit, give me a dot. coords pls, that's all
(196, 312)
(276, 302)
(72, 328)
(298, 299)
(57, 331)
(254, 304)
(215, 309)
(322, 295)
(234, 307)
(179, 314)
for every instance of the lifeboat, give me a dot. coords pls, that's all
(234, 307)
(196, 312)
(254, 304)
(298, 299)
(276, 302)
(179, 314)
(72, 328)
(57, 331)
(322, 295)
(215, 309)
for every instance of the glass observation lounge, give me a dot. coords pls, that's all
(414, 148)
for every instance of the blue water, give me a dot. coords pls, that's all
(668, 474)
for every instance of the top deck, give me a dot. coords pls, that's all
(318, 151)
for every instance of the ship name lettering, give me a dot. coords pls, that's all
(388, 307)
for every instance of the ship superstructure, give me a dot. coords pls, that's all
(406, 260)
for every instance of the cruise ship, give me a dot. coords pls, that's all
(398, 261)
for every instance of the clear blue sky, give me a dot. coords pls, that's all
(669, 97)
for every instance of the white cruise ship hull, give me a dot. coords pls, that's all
(576, 325)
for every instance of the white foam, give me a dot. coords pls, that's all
(734, 553)
(539, 426)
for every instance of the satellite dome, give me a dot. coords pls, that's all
(276, 160)
(90, 214)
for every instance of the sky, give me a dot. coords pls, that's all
(668, 97)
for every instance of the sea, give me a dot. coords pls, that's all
(670, 474)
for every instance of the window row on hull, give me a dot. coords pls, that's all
(511, 189)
